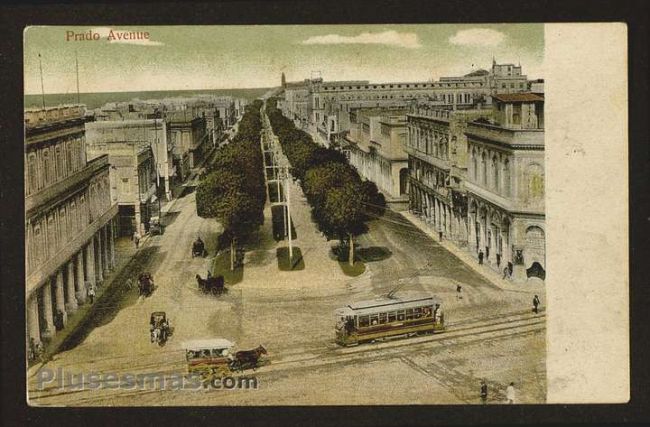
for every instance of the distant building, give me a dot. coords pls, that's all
(70, 221)
(189, 140)
(327, 104)
(437, 161)
(375, 146)
(144, 134)
(133, 183)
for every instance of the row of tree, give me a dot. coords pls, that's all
(232, 190)
(342, 202)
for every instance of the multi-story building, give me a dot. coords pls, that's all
(189, 140)
(375, 147)
(133, 182)
(143, 134)
(505, 186)
(437, 159)
(70, 221)
(477, 177)
(328, 103)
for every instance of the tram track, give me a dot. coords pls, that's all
(473, 332)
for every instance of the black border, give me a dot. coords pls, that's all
(14, 18)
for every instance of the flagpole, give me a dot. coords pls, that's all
(76, 60)
(40, 66)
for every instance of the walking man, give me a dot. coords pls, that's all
(91, 294)
(484, 392)
(510, 393)
(136, 239)
(505, 272)
(459, 290)
(535, 303)
(480, 257)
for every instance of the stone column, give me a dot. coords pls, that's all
(71, 302)
(90, 262)
(80, 283)
(471, 231)
(59, 294)
(48, 316)
(113, 234)
(98, 257)
(105, 257)
(33, 329)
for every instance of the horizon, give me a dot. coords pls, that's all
(177, 58)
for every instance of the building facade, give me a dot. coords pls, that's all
(70, 221)
(328, 103)
(477, 178)
(133, 183)
(505, 186)
(437, 159)
(143, 134)
(189, 139)
(375, 146)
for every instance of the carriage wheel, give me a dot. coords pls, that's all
(214, 291)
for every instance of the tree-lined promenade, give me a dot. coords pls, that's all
(342, 202)
(233, 189)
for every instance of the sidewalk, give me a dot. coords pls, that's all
(124, 252)
(485, 271)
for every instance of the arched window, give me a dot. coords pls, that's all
(483, 169)
(46, 167)
(495, 174)
(59, 163)
(506, 178)
(474, 166)
(535, 181)
(32, 173)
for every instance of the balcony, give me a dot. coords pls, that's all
(65, 187)
(441, 164)
(532, 139)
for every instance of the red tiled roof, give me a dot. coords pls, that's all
(518, 97)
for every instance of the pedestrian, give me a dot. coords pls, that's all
(498, 260)
(505, 272)
(440, 235)
(484, 392)
(459, 290)
(535, 303)
(129, 284)
(136, 238)
(480, 257)
(510, 393)
(91, 294)
(58, 320)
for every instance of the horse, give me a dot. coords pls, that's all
(213, 285)
(248, 358)
(145, 284)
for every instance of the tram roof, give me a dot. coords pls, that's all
(205, 344)
(394, 303)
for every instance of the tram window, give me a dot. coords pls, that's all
(392, 316)
(382, 318)
(409, 314)
(364, 321)
(418, 312)
(400, 315)
(426, 311)
(374, 319)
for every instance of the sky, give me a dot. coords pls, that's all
(223, 57)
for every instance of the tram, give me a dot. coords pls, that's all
(387, 317)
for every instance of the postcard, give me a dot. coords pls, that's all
(326, 215)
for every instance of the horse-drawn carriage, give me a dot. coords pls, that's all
(198, 248)
(211, 285)
(211, 358)
(159, 327)
(145, 284)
